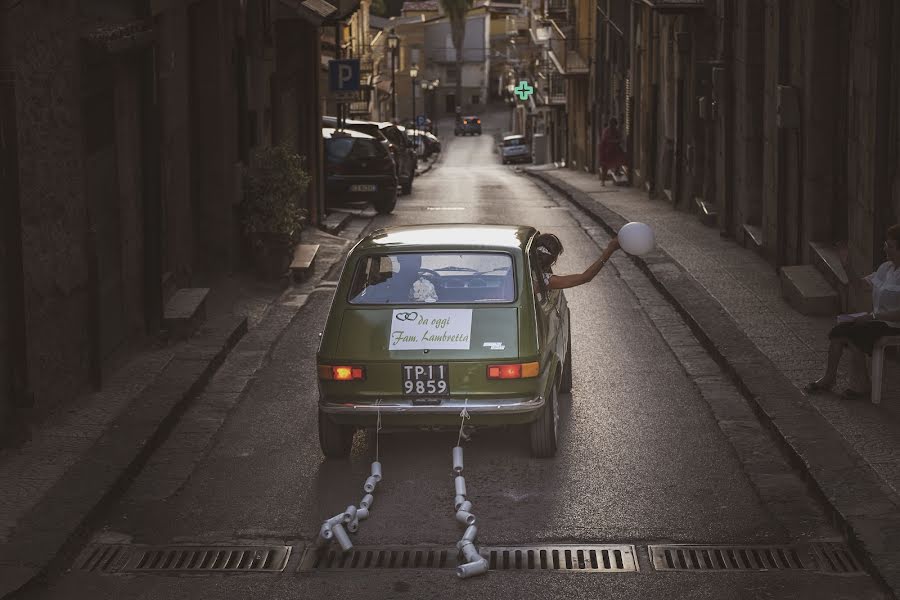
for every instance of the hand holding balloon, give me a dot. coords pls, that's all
(636, 238)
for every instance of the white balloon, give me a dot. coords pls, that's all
(636, 238)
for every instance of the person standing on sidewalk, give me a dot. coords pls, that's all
(548, 248)
(609, 152)
(860, 331)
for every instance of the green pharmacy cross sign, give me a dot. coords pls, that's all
(523, 90)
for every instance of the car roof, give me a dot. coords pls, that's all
(513, 137)
(333, 119)
(329, 132)
(450, 236)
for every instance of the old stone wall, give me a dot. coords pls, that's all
(748, 65)
(54, 235)
(175, 141)
(863, 125)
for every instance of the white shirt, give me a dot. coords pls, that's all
(886, 290)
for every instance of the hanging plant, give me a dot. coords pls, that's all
(274, 184)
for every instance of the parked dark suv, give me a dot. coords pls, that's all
(403, 155)
(358, 167)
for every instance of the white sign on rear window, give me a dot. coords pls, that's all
(432, 329)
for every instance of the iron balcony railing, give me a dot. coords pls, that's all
(556, 89)
(564, 53)
(555, 7)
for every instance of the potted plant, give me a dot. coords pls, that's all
(271, 213)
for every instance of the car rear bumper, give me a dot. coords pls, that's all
(338, 186)
(507, 411)
(518, 158)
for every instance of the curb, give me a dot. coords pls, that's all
(856, 497)
(53, 528)
(430, 166)
(54, 531)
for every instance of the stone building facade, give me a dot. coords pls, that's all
(134, 121)
(775, 121)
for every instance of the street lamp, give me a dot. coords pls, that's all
(426, 87)
(413, 73)
(393, 42)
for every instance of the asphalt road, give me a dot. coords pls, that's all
(642, 458)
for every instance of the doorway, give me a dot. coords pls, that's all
(450, 103)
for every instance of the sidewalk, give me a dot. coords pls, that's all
(731, 298)
(86, 453)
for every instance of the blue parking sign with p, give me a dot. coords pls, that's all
(343, 75)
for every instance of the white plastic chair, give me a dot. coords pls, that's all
(878, 364)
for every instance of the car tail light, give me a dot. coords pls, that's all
(342, 373)
(478, 121)
(514, 371)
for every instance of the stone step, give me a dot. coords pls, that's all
(752, 237)
(807, 291)
(304, 261)
(185, 312)
(825, 258)
(335, 222)
(621, 180)
(706, 212)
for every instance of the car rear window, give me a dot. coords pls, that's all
(372, 129)
(514, 142)
(434, 277)
(351, 148)
(393, 135)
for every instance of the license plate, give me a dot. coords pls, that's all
(425, 380)
(363, 187)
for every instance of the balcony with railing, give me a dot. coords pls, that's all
(564, 54)
(556, 8)
(556, 89)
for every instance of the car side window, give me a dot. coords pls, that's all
(540, 289)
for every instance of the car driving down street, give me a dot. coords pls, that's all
(454, 316)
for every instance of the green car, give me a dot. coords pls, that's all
(430, 319)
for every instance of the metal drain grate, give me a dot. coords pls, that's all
(103, 558)
(616, 558)
(821, 556)
(115, 558)
(835, 558)
(378, 558)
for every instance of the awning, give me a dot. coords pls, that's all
(313, 11)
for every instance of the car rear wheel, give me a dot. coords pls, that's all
(386, 204)
(335, 440)
(544, 430)
(565, 382)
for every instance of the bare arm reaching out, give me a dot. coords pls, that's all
(560, 282)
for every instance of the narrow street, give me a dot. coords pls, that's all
(656, 447)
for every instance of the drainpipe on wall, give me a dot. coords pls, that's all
(653, 52)
(726, 220)
(17, 395)
(683, 47)
(151, 194)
